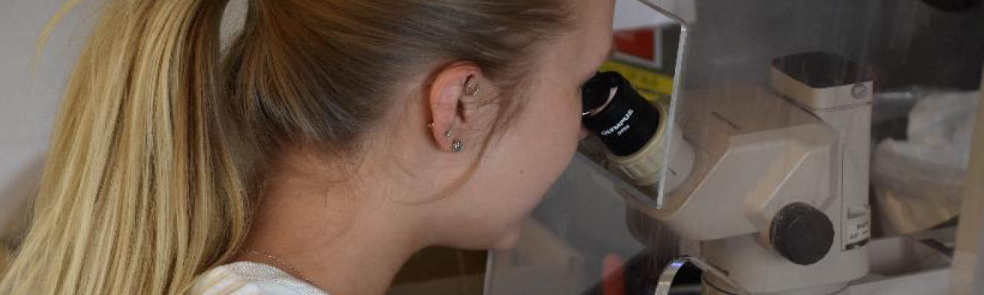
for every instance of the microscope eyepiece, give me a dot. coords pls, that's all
(617, 114)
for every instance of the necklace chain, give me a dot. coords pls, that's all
(282, 263)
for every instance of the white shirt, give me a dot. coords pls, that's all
(250, 278)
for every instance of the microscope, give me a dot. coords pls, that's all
(769, 183)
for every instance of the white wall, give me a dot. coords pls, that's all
(632, 13)
(28, 100)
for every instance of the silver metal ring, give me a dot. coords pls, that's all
(595, 111)
(671, 271)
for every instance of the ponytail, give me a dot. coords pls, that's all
(139, 192)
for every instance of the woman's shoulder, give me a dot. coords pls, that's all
(250, 278)
(223, 281)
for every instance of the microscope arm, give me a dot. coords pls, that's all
(761, 173)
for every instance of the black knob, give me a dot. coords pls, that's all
(801, 233)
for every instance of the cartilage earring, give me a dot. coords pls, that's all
(457, 146)
(430, 126)
(472, 86)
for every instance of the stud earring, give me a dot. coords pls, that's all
(430, 126)
(457, 146)
(448, 134)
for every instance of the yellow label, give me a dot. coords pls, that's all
(649, 84)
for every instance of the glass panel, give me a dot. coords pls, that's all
(583, 232)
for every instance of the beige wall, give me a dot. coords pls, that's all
(28, 100)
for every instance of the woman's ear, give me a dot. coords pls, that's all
(450, 100)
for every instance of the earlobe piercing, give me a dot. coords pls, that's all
(457, 146)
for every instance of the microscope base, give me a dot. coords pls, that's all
(932, 282)
(709, 288)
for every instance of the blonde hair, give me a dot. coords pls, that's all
(150, 168)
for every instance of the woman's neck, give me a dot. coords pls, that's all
(342, 237)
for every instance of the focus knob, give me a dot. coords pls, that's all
(801, 233)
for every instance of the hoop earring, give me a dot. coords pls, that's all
(472, 87)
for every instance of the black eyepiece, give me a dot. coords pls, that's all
(616, 113)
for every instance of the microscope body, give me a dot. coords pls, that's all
(782, 204)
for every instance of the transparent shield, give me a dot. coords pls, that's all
(809, 147)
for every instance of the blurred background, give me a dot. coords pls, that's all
(917, 46)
